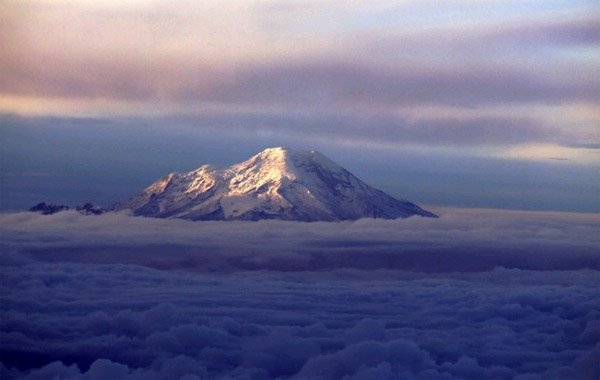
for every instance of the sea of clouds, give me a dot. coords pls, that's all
(475, 294)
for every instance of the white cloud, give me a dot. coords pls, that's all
(526, 240)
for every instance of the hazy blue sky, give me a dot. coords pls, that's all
(469, 103)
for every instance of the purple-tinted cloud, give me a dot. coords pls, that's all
(454, 242)
(339, 84)
(589, 145)
(509, 37)
(300, 83)
(115, 296)
(385, 127)
(123, 321)
(582, 31)
(370, 69)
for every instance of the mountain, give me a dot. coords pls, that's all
(277, 183)
(90, 209)
(49, 209)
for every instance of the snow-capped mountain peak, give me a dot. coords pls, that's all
(271, 166)
(277, 183)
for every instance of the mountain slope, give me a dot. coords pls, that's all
(277, 183)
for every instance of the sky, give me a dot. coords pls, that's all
(464, 103)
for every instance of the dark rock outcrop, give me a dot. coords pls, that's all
(48, 208)
(90, 209)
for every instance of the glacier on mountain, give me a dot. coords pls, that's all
(277, 183)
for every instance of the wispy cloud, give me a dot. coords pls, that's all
(227, 53)
(503, 74)
(590, 145)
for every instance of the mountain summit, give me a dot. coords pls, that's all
(277, 183)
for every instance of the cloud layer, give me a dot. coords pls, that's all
(459, 241)
(245, 60)
(122, 321)
(475, 294)
(459, 74)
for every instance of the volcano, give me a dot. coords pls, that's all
(277, 183)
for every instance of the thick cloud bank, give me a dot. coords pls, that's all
(483, 295)
(459, 241)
